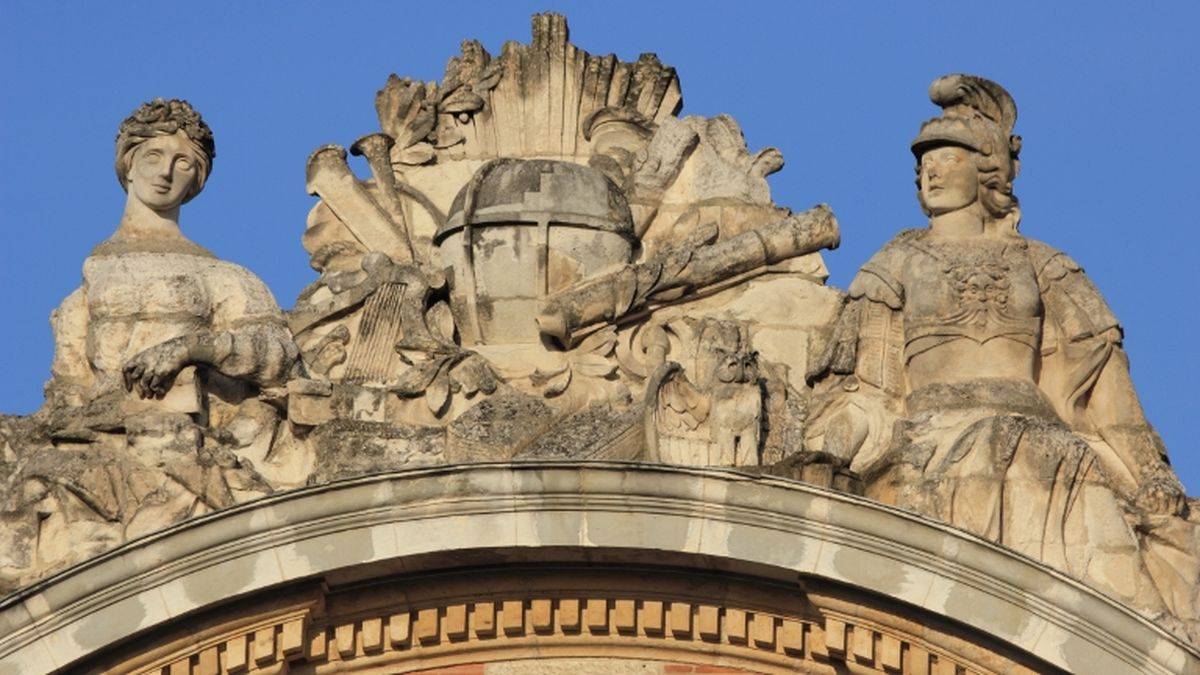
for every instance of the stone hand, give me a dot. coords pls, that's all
(153, 371)
(1160, 491)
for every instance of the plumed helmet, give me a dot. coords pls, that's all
(976, 113)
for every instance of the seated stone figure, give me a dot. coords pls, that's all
(153, 304)
(977, 376)
(165, 398)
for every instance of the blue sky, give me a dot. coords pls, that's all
(1107, 92)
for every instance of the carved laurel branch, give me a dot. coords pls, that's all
(593, 358)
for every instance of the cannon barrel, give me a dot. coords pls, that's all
(610, 296)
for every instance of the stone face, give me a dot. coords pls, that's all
(547, 263)
(977, 376)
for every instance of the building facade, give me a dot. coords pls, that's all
(570, 394)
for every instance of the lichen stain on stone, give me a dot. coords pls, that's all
(121, 620)
(664, 533)
(486, 247)
(326, 552)
(749, 542)
(216, 583)
(868, 570)
(1004, 619)
(1081, 655)
(383, 493)
(558, 528)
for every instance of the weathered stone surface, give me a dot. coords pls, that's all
(546, 263)
(556, 257)
(480, 564)
(498, 427)
(596, 432)
(348, 448)
(977, 376)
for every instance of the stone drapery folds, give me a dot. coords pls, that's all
(547, 261)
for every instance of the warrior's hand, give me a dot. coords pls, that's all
(1160, 492)
(153, 371)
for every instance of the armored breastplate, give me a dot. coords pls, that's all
(976, 289)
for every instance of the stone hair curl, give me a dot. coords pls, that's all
(163, 117)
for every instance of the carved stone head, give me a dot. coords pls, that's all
(976, 124)
(165, 153)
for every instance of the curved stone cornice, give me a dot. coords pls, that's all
(772, 523)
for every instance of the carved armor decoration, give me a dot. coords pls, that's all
(547, 262)
(546, 242)
(977, 376)
(992, 291)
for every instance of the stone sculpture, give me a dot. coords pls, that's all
(165, 361)
(977, 376)
(547, 262)
(537, 231)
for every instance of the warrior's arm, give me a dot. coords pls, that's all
(1085, 372)
(862, 366)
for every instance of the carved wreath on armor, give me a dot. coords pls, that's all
(980, 284)
(546, 261)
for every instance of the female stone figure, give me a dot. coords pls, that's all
(157, 407)
(164, 399)
(153, 302)
(977, 376)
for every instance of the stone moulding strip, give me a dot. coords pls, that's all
(465, 632)
(722, 514)
(456, 633)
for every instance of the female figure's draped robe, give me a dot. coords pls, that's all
(119, 466)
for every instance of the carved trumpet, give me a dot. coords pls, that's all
(330, 178)
(609, 297)
(376, 149)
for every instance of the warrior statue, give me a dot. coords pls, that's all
(977, 376)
